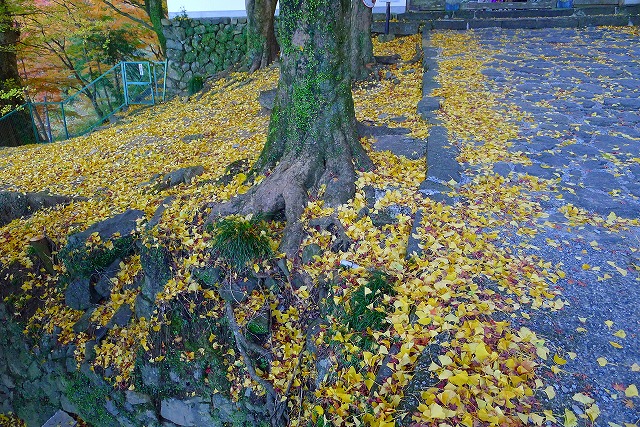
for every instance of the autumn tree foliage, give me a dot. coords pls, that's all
(151, 19)
(66, 45)
(312, 146)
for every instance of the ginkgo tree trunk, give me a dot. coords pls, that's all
(262, 47)
(312, 148)
(18, 130)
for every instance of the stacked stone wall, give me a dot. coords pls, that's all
(197, 48)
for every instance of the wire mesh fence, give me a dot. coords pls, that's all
(126, 83)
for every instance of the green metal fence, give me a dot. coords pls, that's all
(127, 83)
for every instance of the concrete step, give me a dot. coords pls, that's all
(411, 22)
(533, 23)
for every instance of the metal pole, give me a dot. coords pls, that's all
(47, 119)
(155, 78)
(64, 120)
(153, 91)
(33, 122)
(386, 22)
(164, 80)
(124, 82)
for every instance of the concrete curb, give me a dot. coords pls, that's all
(440, 162)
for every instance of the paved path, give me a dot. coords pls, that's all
(582, 90)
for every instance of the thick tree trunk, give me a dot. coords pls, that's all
(262, 47)
(312, 147)
(361, 49)
(16, 129)
(155, 11)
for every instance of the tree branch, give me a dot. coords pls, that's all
(128, 15)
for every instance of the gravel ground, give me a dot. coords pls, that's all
(582, 89)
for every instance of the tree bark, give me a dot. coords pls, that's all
(262, 47)
(17, 129)
(155, 11)
(361, 52)
(312, 147)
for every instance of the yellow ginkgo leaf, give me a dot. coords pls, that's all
(551, 392)
(620, 334)
(631, 391)
(593, 412)
(602, 361)
(609, 323)
(570, 419)
(481, 352)
(559, 360)
(583, 398)
(615, 344)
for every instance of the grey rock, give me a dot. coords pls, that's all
(309, 252)
(84, 322)
(157, 215)
(181, 176)
(224, 408)
(34, 371)
(67, 406)
(192, 412)
(429, 104)
(155, 262)
(14, 205)
(124, 224)
(121, 317)
(104, 285)
(150, 375)
(237, 292)
(623, 103)
(412, 245)
(60, 419)
(267, 98)
(143, 307)
(502, 168)
(78, 294)
(399, 145)
(111, 407)
(366, 129)
(136, 398)
(208, 276)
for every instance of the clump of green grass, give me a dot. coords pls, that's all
(364, 301)
(241, 241)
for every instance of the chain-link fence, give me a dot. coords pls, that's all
(126, 83)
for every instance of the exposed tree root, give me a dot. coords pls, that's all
(277, 418)
(288, 188)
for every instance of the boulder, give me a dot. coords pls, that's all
(60, 419)
(104, 285)
(117, 235)
(237, 292)
(121, 317)
(181, 176)
(267, 99)
(191, 412)
(136, 398)
(78, 294)
(15, 204)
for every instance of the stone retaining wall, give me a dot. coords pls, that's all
(197, 48)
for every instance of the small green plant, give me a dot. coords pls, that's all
(195, 84)
(241, 241)
(365, 300)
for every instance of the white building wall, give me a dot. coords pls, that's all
(213, 8)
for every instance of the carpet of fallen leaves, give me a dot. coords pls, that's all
(458, 294)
